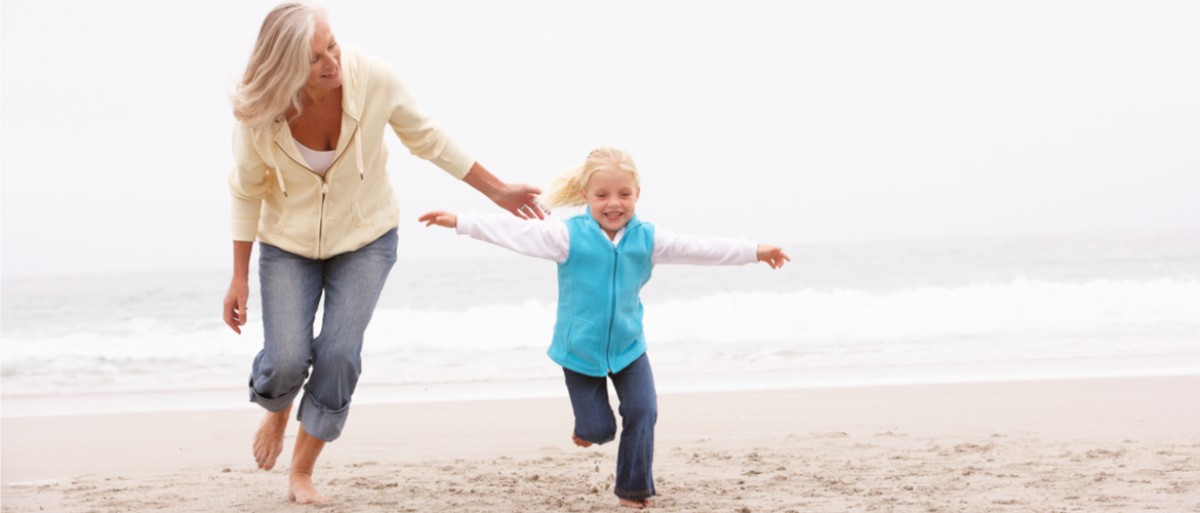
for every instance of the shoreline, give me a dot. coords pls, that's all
(375, 393)
(1121, 443)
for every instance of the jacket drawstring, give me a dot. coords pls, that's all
(278, 175)
(358, 159)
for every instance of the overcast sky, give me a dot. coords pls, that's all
(784, 122)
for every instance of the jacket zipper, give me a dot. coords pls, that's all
(321, 220)
(324, 185)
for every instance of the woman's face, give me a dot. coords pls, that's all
(326, 70)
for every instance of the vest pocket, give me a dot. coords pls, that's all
(585, 343)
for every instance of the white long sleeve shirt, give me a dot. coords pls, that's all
(549, 239)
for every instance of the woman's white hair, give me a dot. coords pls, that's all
(279, 66)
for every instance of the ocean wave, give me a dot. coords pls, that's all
(742, 331)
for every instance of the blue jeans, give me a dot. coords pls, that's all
(595, 423)
(292, 287)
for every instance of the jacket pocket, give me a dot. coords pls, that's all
(359, 220)
(279, 225)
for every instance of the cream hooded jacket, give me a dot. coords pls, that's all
(280, 201)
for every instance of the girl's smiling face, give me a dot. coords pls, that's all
(611, 198)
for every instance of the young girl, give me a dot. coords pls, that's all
(605, 256)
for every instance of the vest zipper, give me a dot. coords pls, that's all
(612, 307)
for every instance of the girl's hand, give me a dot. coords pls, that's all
(772, 255)
(440, 218)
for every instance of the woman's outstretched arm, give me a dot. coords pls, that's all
(519, 199)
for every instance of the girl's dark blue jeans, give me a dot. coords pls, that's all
(594, 422)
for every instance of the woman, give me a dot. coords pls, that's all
(309, 182)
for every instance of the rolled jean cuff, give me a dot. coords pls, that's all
(598, 440)
(273, 404)
(320, 422)
(634, 496)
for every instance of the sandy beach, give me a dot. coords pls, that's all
(1049, 446)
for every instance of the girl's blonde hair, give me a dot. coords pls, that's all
(279, 65)
(565, 190)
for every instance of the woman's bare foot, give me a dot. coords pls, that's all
(636, 504)
(304, 458)
(579, 441)
(268, 441)
(302, 491)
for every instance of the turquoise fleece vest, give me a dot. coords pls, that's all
(599, 325)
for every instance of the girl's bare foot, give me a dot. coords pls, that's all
(268, 441)
(579, 441)
(636, 503)
(302, 491)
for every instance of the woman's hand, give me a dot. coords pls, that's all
(235, 304)
(772, 255)
(439, 218)
(239, 288)
(521, 200)
(518, 199)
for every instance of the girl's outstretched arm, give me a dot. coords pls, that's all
(772, 255)
(440, 218)
(546, 239)
(674, 248)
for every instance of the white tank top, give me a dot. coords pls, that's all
(318, 161)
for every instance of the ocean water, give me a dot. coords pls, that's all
(889, 312)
